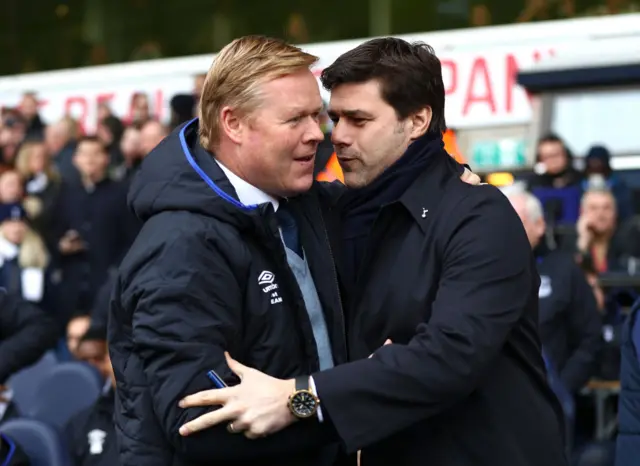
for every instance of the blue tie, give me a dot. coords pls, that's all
(289, 229)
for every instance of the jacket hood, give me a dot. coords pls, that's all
(181, 175)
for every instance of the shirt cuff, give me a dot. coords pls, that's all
(312, 387)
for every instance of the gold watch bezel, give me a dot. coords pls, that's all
(308, 392)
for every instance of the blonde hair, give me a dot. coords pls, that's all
(33, 252)
(71, 126)
(22, 162)
(236, 74)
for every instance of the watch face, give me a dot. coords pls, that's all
(304, 404)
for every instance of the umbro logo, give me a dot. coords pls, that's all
(266, 278)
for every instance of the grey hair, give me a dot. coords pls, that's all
(598, 190)
(532, 204)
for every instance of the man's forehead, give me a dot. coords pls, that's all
(349, 109)
(354, 98)
(597, 199)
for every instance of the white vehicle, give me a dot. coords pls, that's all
(489, 110)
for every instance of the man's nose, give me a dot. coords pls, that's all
(314, 133)
(339, 136)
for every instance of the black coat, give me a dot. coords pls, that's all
(26, 333)
(207, 274)
(101, 217)
(570, 324)
(449, 277)
(91, 436)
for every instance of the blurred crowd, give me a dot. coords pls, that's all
(64, 227)
(584, 229)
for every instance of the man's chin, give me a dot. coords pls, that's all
(353, 181)
(300, 186)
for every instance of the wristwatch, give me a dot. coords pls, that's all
(303, 403)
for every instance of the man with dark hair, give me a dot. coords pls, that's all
(555, 164)
(91, 433)
(442, 268)
(92, 228)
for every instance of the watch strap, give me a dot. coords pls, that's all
(302, 383)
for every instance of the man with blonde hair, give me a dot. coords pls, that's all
(208, 271)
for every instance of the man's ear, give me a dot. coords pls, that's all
(231, 124)
(420, 121)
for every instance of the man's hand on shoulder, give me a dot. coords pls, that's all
(469, 177)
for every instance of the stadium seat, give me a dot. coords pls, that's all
(25, 382)
(40, 442)
(561, 205)
(64, 391)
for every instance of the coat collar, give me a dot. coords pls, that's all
(423, 196)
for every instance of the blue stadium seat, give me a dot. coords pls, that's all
(25, 383)
(40, 442)
(561, 205)
(64, 391)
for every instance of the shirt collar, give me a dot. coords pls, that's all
(8, 250)
(247, 193)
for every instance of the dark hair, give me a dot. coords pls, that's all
(95, 333)
(93, 139)
(553, 137)
(550, 137)
(410, 75)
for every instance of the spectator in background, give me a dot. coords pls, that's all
(91, 228)
(597, 242)
(569, 322)
(110, 132)
(25, 334)
(139, 110)
(554, 166)
(29, 110)
(182, 106)
(91, 434)
(104, 111)
(23, 256)
(92, 349)
(132, 154)
(76, 328)
(598, 174)
(11, 187)
(60, 138)
(42, 188)
(151, 134)
(11, 136)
